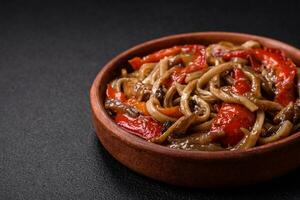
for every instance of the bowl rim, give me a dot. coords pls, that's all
(134, 141)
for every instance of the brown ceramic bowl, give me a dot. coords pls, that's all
(191, 168)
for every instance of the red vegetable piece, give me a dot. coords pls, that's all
(199, 61)
(142, 126)
(197, 64)
(285, 72)
(177, 76)
(241, 85)
(111, 93)
(272, 59)
(137, 62)
(237, 53)
(230, 119)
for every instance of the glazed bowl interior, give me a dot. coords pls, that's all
(112, 69)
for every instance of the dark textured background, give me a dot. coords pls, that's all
(49, 56)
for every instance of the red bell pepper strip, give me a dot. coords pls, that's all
(285, 72)
(142, 126)
(199, 61)
(141, 107)
(171, 112)
(197, 50)
(232, 117)
(197, 64)
(177, 76)
(137, 62)
(272, 59)
(111, 93)
(242, 53)
(240, 85)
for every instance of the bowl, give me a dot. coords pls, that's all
(191, 168)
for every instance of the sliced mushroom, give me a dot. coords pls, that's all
(137, 89)
(118, 107)
(283, 131)
(269, 129)
(267, 82)
(287, 113)
(291, 112)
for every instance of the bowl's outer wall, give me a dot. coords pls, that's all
(187, 168)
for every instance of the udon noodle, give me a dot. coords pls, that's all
(219, 97)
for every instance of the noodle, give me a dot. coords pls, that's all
(163, 66)
(184, 102)
(180, 126)
(207, 96)
(151, 105)
(150, 79)
(205, 126)
(179, 88)
(213, 72)
(194, 75)
(251, 138)
(205, 106)
(231, 98)
(169, 96)
(159, 81)
(145, 70)
(120, 82)
(255, 87)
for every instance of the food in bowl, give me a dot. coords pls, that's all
(218, 97)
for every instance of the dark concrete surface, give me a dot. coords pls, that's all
(50, 53)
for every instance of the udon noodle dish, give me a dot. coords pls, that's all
(219, 97)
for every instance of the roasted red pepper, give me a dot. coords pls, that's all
(171, 111)
(242, 53)
(137, 62)
(198, 62)
(111, 93)
(143, 126)
(241, 84)
(272, 60)
(177, 76)
(232, 117)
(285, 72)
(139, 105)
